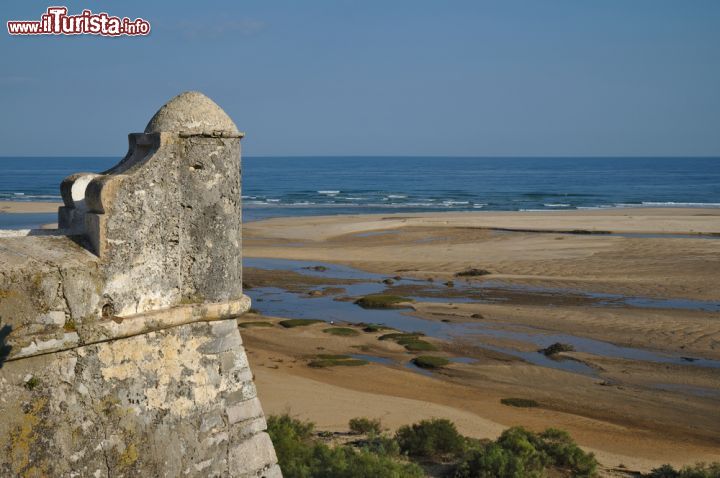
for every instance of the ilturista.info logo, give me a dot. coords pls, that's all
(56, 21)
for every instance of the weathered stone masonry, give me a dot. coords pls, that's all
(119, 350)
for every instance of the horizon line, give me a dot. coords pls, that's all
(410, 156)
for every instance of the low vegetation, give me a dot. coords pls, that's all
(302, 455)
(473, 272)
(416, 345)
(325, 360)
(371, 328)
(290, 323)
(400, 335)
(342, 331)
(522, 453)
(519, 402)
(432, 439)
(412, 342)
(435, 448)
(430, 361)
(247, 325)
(365, 426)
(699, 470)
(557, 348)
(382, 301)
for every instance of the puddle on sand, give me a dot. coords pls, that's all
(618, 300)
(420, 370)
(409, 365)
(373, 359)
(600, 299)
(702, 392)
(467, 360)
(331, 271)
(279, 302)
(595, 299)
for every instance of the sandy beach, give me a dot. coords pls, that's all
(639, 281)
(20, 207)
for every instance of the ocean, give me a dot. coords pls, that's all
(297, 186)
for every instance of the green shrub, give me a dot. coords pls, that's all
(381, 301)
(565, 453)
(556, 348)
(519, 402)
(517, 453)
(699, 470)
(293, 444)
(399, 335)
(520, 453)
(665, 471)
(416, 345)
(246, 325)
(436, 438)
(342, 331)
(382, 445)
(301, 456)
(346, 462)
(411, 341)
(496, 462)
(374, 328)
(472, 272)
(325, 360)
(429, 361)
(365, 426)
(290, 323)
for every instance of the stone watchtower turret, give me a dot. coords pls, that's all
(120, 354)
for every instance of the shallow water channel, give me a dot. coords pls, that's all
(279, 302)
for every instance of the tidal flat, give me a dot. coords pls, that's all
(638, 305)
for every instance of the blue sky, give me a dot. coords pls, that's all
(392, 77)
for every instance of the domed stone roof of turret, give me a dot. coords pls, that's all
(191, 112)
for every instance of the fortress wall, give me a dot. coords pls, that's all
(120, 354)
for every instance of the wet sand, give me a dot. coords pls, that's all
(439, 245)
(622, 425)
(632, 411)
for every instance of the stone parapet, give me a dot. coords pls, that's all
(119, 350)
